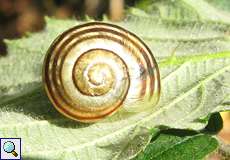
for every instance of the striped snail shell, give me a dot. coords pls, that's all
(92, 70)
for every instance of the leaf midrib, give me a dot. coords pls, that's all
(148, 117)
(172, 61)
(176, 60)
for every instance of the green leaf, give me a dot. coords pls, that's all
(179, 142)
(222, 5)
(187, 10)
(174, 147)
(194, 60)
(215, 124)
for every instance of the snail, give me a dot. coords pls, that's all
(92, 70)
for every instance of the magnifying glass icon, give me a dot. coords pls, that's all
(9, 147)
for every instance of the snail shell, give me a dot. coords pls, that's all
(92, 70)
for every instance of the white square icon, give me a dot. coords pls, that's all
(10, 148)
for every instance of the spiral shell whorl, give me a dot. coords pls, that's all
(93, 69)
